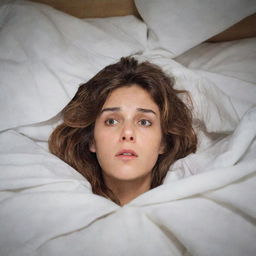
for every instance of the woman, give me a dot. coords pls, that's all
(123, 129)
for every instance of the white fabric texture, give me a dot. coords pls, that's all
(230, 65)
(42, 47)
(48, 209)
(206, 205)
(179, 25)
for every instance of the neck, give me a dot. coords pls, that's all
(126, 191)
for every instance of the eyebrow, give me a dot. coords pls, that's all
(145, 110)
(116, 109)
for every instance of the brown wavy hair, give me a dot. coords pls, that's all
(71, 140)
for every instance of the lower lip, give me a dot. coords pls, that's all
(125, 157)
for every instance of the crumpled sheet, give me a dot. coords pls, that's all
(206, 205)
(47, 208)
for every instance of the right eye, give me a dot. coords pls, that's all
(111, 121)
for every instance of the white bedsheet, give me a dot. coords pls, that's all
(205, 207)
(207, 204)
(231, 65)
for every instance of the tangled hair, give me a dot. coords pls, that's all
(71, 140)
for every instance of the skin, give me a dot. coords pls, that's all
(129, 120)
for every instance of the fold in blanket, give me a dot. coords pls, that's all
(51, 209)
(206, 205)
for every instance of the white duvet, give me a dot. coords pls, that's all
(207, 204)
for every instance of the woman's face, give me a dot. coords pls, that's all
(127, 135)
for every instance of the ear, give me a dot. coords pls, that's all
(162, 148)
(92, 146)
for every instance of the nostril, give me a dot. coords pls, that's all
(131, 138)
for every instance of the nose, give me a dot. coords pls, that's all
(128, 133)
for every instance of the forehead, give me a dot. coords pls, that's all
(130, 96)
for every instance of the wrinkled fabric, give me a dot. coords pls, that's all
(206, 205)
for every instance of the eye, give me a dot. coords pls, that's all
(144, 122)
(111, 121)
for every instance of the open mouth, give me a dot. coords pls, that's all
(127, 154)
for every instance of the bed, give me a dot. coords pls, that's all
(207, 203)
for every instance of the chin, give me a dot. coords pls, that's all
(127, 178)
(124, 177)
(127, 175)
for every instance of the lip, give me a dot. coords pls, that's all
(126, 157)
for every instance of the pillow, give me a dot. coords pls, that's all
(45, 54)
(178, 25)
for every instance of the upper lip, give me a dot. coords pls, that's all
(126, 151)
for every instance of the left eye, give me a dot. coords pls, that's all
(111, 122)
(145, 122)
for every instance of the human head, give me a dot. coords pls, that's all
(71, 140)
(128, 140)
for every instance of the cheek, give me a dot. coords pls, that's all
(152, 141)
(151, 149)
(103, 140)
